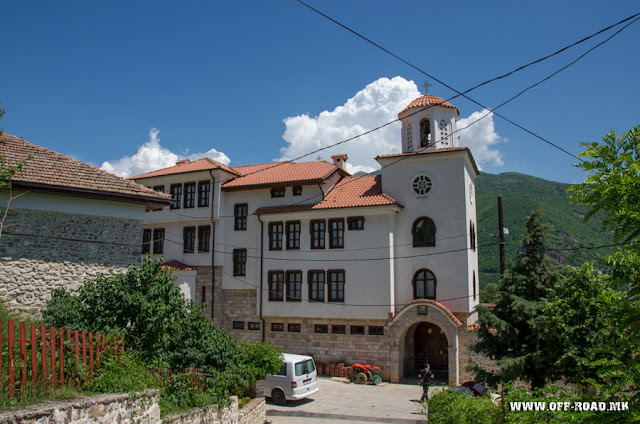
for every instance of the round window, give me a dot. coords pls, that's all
(421, 185)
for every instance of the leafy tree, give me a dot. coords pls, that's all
(507, 332)
(149, 311)
(613, 186)
(578, 324)
(613, 183)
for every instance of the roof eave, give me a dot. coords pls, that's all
(395, 206)
(225, 187)
(148, 201)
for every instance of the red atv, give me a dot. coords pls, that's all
(362, 374)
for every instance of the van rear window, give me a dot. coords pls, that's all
(283, 370)
(305, 367)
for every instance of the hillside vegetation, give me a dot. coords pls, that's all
(520, 195)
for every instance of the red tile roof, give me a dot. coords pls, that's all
(177, 265)
(426, 101)
(433, 152)
(275, 173)
(49, 170)
(350, 192)
(430, 302)
(183, 166)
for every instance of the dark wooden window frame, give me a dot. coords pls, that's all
(276, 234)
(376, 330)
(240, 212)
(239, 262)
(321, 329)
(357, 330)
(176, 194)
(317, 294)
(253, 326)
(338, 329)
(189, 195)
(355, 223)
(337, 294)
(294, 286)
(147, 235)
(158, 241)
(426, 272)
(278, 191)
(204, 193)
(297, 190)
(336, 236)
(318, 234)
(277, 326)
(293, 328)
(293, 234)
(204, 238)
(188, 239)
(276, 286)
(238, 325)
(423, 240)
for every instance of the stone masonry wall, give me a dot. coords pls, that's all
(40, 251)
(139, 408)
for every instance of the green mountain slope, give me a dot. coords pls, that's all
(520, 195)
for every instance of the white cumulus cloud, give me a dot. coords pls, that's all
(480, 136)
(151, 156)
(377, 104)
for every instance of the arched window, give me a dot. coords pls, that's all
(425, 133)
(475, 291)
(424, 232)
(472, 236)
(424, 285)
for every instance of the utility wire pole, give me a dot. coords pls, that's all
(501, 235)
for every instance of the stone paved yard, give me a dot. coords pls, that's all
(340, 402)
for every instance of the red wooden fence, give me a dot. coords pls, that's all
(195, 376)
(44, 366)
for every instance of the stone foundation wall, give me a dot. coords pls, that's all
(140, 408)
(254, 412)
(40, 251)
(207, 415)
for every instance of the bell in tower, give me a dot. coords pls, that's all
(428, 123)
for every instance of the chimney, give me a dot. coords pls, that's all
(182, 162)
(340, 160)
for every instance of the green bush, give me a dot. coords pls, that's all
(451, 407)
(147, 309)
(122, 374)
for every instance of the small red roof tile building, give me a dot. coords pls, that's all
(65, 221)
(378, 269)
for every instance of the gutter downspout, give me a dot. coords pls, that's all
(213, 247)
(261, 276)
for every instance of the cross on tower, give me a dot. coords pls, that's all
(426, 86)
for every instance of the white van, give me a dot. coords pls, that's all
(297, 379)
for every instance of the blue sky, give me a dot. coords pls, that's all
(140, 84)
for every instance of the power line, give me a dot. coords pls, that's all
(463, 94)
(632, 19)
(459, 129)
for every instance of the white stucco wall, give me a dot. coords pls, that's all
(71, 204)
(447, 205)
(364, 260)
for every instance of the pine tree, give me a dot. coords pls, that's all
(507, 331)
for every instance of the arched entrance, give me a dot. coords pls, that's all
(426, 342)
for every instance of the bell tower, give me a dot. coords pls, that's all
(428, 123)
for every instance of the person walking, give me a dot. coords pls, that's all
(425, 377)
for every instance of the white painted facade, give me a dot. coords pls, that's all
(379, 262)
